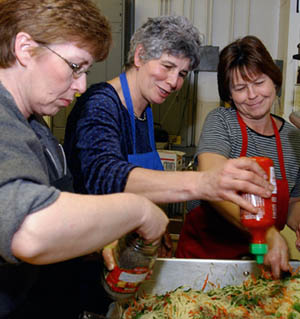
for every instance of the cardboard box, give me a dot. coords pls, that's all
(171, 160)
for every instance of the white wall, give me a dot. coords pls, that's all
(289, 37)
(221, 22)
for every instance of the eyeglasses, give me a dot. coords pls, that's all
(77, 70)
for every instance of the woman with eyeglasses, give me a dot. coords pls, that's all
(46, 48)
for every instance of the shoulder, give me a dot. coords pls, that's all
(222, 117)
(287, 128)
(222, 113)
(102, 90)
(98, 100)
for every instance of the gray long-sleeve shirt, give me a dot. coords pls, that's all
(24, 177)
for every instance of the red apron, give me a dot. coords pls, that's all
(207, 234)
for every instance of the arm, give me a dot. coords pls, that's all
(224, 182)
(76, 225)
(294, 218)
(295, 118)
(229, 210)
(101, 135)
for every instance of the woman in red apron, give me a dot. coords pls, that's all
(248, 79)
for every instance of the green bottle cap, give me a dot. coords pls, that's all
(259, 250)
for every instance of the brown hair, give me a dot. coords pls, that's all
(53, 21)
(250, 57)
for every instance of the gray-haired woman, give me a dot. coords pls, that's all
(109, 139)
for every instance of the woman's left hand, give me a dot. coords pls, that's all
(108, 255)
(165, 249)
(278, 253)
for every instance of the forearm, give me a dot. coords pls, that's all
(76, 225)
(165, 186)
(293, 220)
(230, 211)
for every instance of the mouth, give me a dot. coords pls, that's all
(256, 104)
(65, 102)
(164, 93)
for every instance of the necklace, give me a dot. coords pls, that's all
(144, 118)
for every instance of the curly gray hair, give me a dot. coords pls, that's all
(173, 35)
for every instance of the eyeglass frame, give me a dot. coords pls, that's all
(73, 66)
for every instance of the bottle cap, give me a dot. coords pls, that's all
(259, 250)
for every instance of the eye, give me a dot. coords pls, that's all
(183, 74)
(259, 82)
(75, 67)
(239, 88)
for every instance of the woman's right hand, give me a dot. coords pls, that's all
(236, 176)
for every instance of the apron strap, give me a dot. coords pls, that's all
(127, 96)
(244, 135)
(279, 149)
(278, 142)
(128, 100)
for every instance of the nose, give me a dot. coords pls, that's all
(172, 80)
(79, 85)
(251, 91)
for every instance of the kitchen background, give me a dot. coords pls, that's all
(178, 122)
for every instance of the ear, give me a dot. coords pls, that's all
(139, 51)
(23, 47)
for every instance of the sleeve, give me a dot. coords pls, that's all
(24, 187)
(215, 135)
(100, 134)
(296, 189)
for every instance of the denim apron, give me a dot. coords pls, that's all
(150, 160)
(207, 234)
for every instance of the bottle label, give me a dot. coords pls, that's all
(274, 193)
(266, 206)
(256, 201)
(126, 280)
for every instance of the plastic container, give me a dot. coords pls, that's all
(135, 260)
(258, 224)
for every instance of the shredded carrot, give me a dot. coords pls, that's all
(205, 282)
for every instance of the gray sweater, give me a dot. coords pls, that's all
(24, 176)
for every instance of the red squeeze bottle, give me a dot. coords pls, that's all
(258, 224)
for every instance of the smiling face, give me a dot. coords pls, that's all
(253, 97)
(157, 79)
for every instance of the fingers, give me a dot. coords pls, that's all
(298, 239)
(242, 175)
(108, 255)
(165, 249)
(242, 202)
(247, 176)
(278, 255)
(154, 223)
(167, 241)
(275, 268)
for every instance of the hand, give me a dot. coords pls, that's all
(297, 243)
(295, 118)
(165, 249)
(278, 253)
(235, 176)
(108, 255)
(154, 222)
